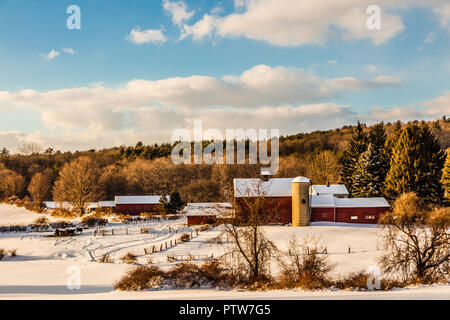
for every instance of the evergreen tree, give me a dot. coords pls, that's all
(175, 204)
(357, 146)
(377, 137)
(366, 180)
(446, 176)
(163, 206)
(416, 165)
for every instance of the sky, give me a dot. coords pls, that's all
(136, 70)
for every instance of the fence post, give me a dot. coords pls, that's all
(112, 231)
(126, 229)
(171, 243)
(349, 250)
(145, 250)
(160, 248)
(153, 249)
(166, 245)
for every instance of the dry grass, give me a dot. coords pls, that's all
(40, 224)
(129, 258)
(105, 258)
(93, 221)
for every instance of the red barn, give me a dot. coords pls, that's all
(325, 203)
(135, 205)
(349, 210)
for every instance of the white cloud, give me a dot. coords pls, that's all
(293, 22)
(52, 55)
(146, 36)
(69, 50)
(178, 11)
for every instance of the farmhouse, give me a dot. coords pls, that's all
(135, 205)
(298, 201)
(208, 212)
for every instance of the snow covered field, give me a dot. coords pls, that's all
(41, 268)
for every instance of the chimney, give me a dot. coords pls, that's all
(265, 175)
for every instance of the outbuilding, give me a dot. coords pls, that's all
(135, 205)
(208, 212)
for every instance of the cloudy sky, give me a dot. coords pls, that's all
(137, 70)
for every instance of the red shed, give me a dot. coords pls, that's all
(135, 205)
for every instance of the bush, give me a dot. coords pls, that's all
(125, 218)
(184, 237)
(105, 258)
(93, 221)
(144, 230)
(12, 252)
(353, 281)
(2, 253)
(140, 278)
(40, 224)
(183, 275)
(129, 258)
(13, 228)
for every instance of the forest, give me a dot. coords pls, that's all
(386, 159)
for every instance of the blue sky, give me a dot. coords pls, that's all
(335, 59)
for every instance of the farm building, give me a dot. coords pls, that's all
(135, 205)
(208, 212)
(297, 201)
(336, 190)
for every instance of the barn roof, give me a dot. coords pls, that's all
(328, 201)
(322, 201)
(328, 189)
(106, 204)
(55, 205)
(275, 187)
(222, 209)
(138, 199)
(361, 203)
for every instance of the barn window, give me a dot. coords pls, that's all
(354, 217)
(324, 214)
(370, 217)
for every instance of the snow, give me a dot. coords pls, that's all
(334, 189)
(138, 199)
(18, 216)
(55, 205)
(209, 209)
(322, 201)
(40, 271)
(275, 187)
(107, 204)
(361, 203)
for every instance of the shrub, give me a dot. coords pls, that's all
(13, 228)
(144, 230)
(140, 278)
(129, 258)
(62, 225)
(40, 224)
(356, 280)
(125, 218)
(105, 258)
(303, 266)
(184, 237)
(13, 252)
(2, 253)
(93, 221)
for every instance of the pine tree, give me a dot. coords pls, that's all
(446, 176)
(416, 165)
(175, 204)
(366, 180)
(377, 137)
(357, 146)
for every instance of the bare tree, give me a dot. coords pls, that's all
(324, 167)
(249, 250)
(305, 264)
(11, 183)
(30, 149)
(39, 187)
(416, 241)
(78, 183)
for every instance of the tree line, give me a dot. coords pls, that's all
(381, 160)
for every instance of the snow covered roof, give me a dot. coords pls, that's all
(138, 199)
(197, 205)
(331, 189)
(274, 187)
(55, 205)
(322, 201)
(92, 205)
(222, 209)
(328, 201)
(361, 203)
(106, 204)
